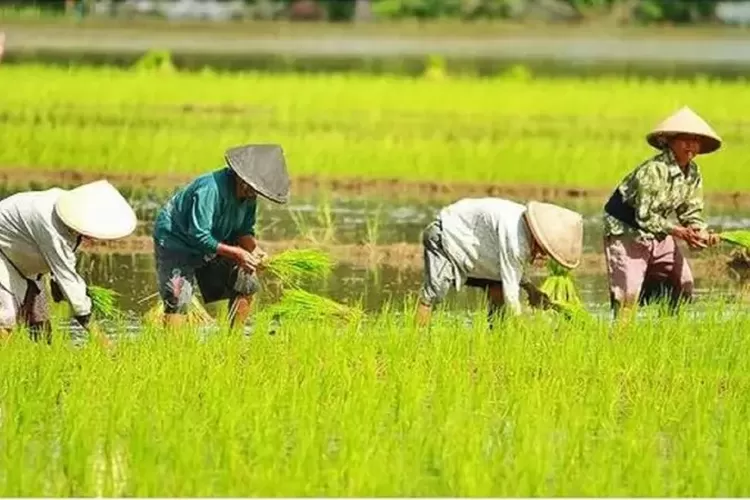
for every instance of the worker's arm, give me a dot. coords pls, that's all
(537, 298)
(202, 211)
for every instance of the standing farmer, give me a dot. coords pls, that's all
(206, 233)
(639, 237)
(487, 242)
(39, 234)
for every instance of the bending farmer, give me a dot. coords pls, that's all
(206, 233)
(639, 237)
(487, 242)
(39, 234)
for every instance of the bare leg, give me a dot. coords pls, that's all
(239, 310)
(424, 312)
(496, 302)
(174, 321)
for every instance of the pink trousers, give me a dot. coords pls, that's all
(631, 263)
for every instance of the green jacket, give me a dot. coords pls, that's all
(203, 214)
(657, 190)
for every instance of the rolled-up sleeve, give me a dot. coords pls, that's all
(62, 263)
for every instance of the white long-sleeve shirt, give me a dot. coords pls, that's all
(34, 238)
(487, 238)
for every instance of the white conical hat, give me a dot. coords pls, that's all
(97, 210)
(558, 230)
(685, 121)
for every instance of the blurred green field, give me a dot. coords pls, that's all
(511, 129)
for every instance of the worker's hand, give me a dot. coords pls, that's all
(713, 239)
(244, 259)
(260, 258)
(690, 236)
(537, 298)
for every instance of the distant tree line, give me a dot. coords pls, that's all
(626, 11)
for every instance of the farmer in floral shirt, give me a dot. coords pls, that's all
(639, 236)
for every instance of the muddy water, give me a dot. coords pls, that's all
(134, 278)
(345, 221)
(351, 220)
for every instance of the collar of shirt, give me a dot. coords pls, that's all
(675, 171)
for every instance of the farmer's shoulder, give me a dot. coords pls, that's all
(208, 185)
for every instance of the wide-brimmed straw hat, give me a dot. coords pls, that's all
(558, 230)
(263, 168)
(97, 210)
(685, 121)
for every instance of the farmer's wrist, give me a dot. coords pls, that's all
(229, 251)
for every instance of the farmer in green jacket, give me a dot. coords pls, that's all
(206, 233)
(639, 235)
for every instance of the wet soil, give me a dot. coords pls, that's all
(20, 178)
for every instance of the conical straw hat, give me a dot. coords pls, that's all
(97, 210)
(685, 121)
(263, 168)
(558, 230)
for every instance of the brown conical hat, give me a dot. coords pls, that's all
(558, 230)
(685, 121)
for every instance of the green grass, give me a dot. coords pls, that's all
(533, 408)
(585, 133)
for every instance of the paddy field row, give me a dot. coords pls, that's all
(514, 130)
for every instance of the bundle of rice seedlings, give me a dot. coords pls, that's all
(560, 289)
(296, 302)
(104, 302)
(559, 285)
(293, 265)
(738, 237)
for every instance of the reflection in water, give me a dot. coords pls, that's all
(133, 276)
(374, 221)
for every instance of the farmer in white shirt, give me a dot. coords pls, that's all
(39, 234)
(487, 242)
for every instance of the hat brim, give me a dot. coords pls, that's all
(96, 210)
(529, 217)
(659, 140)
(263, 168)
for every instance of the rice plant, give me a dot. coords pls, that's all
(543, 409)
(553, 132)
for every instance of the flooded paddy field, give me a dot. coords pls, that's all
(377, 244)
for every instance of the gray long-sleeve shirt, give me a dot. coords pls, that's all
(34, 238)
(487, 238)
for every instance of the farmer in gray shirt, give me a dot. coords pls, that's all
(487, 243)
(39, 234)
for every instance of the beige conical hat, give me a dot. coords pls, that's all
(558, 230)
(685, 121)
(97, 210)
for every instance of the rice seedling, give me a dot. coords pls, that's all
(560, 288)
(320, 410)
(292, 266)
(104, 302)
(739, 237)
(300, 303)
(406, 129)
